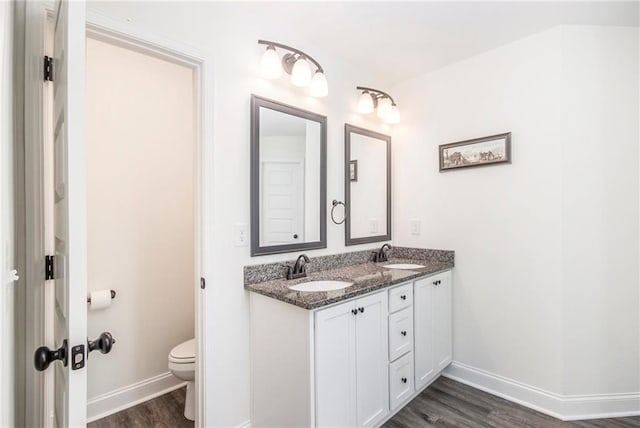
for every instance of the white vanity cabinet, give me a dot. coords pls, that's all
(350, 364)
(432, 326)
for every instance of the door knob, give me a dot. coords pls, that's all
(104, 343)
(45, 356)
(295, 236)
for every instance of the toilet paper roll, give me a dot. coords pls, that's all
(100, 299)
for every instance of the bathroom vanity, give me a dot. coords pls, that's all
(348, 357)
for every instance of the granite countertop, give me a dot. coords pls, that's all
(366, 277)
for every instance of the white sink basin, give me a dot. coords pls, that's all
(321, 286)
(403, 266)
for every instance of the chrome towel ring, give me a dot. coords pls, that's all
(335, 203)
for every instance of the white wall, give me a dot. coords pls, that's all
(546, 278)
(600, 210)
(229, 32)
(7, 261)
(140, 185)
(504, 221)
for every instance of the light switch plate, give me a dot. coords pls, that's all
(415, 227)
(241, 234)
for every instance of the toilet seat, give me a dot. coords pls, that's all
(184, 353)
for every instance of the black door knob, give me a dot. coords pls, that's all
(404, 333)
(404, 380)
(104, 343)
(403, 297)
(295, 236)
(44, 356)
(354, 311)
(361, 310)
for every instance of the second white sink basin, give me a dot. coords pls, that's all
(321, 286)
(403, 266)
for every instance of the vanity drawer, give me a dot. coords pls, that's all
(400, 297)
(400, 380)
(400, 333)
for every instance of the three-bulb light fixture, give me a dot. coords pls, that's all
(297, 64)
(375, 99)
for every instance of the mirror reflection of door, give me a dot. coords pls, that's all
(282, 203)
(289, 167)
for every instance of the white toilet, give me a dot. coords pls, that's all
(182, 363)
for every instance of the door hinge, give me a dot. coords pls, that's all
(48, 69)
(203, 283)
(48, 267)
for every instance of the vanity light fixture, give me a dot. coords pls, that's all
(297, 64)
(375, 99)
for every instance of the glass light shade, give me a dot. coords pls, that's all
(384, 108)
(270, 67)
(365, 103)
(301, 73)
(319, 87)
(394, 115)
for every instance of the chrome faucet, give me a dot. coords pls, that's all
(299, 269)
(382, 254)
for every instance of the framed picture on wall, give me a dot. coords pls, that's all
(353, 170)
(476, 152)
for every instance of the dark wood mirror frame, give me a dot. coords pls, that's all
(348, 130)
(257, 250)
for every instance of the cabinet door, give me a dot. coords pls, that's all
(442, 321)
(372, 359)
(423, 328)
(335, 362)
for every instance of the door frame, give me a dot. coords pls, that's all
(127, 36)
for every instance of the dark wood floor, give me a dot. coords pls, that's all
(447, 403)
(444, 404)
(166, 411)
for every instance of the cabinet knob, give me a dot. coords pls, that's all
(354, 311)
(404, 380)
(361, 310)
(403, 297)
(404, 333)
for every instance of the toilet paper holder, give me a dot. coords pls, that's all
(113, 296)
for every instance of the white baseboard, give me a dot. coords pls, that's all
(565, 407)
(130, 395)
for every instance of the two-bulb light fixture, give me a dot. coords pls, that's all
(297, 64)
(375, 99)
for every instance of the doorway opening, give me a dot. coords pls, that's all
(145, 206)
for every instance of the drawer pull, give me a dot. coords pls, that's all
(403, 297)
(404, 380)
(404, 333)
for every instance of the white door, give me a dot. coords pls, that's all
(372, 363)
(423, 329)
(442, 320)
(335, 362)
(70, 322)
(282, 205)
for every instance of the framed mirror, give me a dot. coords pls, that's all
(288, 178)
(367, 186)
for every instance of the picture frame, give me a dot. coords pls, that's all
(485, 151)
(353, 170)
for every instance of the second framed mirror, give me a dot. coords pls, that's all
(367, 186)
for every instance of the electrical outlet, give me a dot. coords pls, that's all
(415, 227)
(241, 234)
(373, 225)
